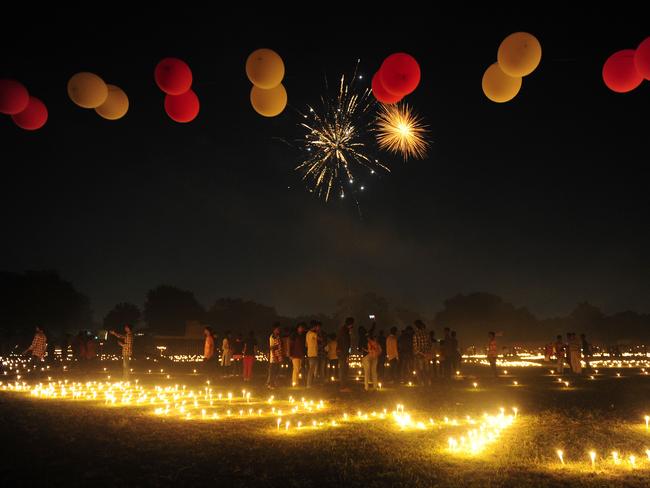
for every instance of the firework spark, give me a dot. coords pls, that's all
(400, 131)
(334, 140)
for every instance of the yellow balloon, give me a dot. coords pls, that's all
(269, 103)
(116, 104)
(498, 86)
(87, 90)
(519, 54)
(265, 69)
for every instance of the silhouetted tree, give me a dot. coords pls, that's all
(122, 313)
(361, 305)
(241, 315)
(475, 314)
(167, 309)
(41, 298)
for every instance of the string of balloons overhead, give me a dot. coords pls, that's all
(518, 55)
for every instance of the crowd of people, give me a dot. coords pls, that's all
(313, 356)
(412, 356)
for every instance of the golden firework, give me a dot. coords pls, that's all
(335, 140)
(400, 131)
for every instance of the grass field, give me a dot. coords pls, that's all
(61, 442)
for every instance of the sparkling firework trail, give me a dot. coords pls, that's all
(334, 140)
(400, 131)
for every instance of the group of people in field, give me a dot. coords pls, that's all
(572, 351)
(412, 355)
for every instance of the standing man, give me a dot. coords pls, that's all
(558, 347)
(586, 351)
(208, 349)
(38, 346)
(127, 349)
(275, 356)
(421, 352)
(312, 352)
(392, 355)
(297, 352)
(226, 353)
(250, 348)
(343, 351)
(492, 352)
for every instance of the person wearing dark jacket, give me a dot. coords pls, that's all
(343, 351)
(297, 352)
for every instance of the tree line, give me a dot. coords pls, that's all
(44, 298)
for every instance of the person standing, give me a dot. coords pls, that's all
(237, 347)
(574, 351)
(322, 353)
(343, 344)
(248, 352)
(297, 352)
(275, 356)
(226, 353)
(332, 356)
(392, 355)
(312, 353)
(421, 351)
(208, 349)
(381, 361)
(492, 352)
(559, 350)
(370, 362)
(405, 348)
(38, 346)
(127, 349)
(586, 351)
(455, 359)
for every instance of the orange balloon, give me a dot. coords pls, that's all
(116, 104)
(269, 103)
(87, 90)
(519, 54)
(265, 68)
(498, 86)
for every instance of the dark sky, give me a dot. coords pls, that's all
(542, 200)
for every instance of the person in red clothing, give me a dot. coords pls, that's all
(250, 348)
(38, 346)
(208, 349)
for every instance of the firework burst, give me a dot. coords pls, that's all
(334, 140)
(401, 131)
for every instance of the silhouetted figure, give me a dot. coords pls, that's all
(249, 351)
(492, 352)
(370, 362)
(226, 353)
(586, 351)
(392, 355)
(343, 344)
(297, 352)
(405, 349)
(381, 361)
(311, 340)
(560, 351)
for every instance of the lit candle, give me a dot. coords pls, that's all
(560, 454)
(592, 456)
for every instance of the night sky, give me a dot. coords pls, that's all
(542, 200)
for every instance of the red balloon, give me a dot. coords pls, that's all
(642, 58)
(400, 74)
(14, 97)
(173, 76)
(381, 94)
(33, 117)
(182, 108)
(619, 73)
